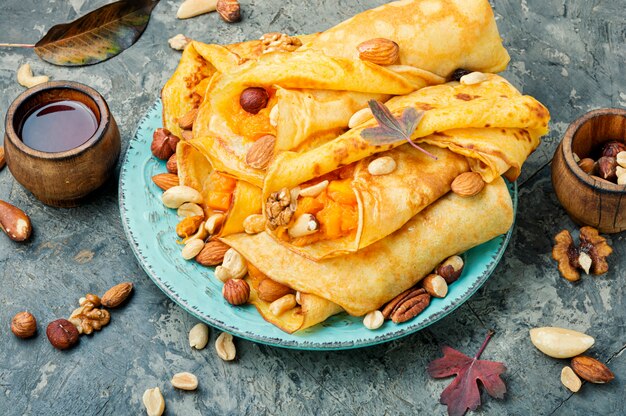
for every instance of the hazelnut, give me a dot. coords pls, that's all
(450, 269)
(229, 10)
(587, 165)
(612, 148)
(236, 291)
(62, 334)
(24, 325)
(163, 143)
(253, 99)
(607, 168)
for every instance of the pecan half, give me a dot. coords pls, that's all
(278, 209)
(407, 305)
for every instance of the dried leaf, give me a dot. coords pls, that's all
(97, 36)
(393, 130)
(463, 394)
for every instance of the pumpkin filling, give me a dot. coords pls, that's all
(220, 191)
(252, 126)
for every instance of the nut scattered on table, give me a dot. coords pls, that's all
(236, 291)
(14, 222)
(26, 78)
(212, 253)
(379, 51)
(373, 320)
(229, 10)
(591, 370)
(179, 42)
(571, 257)
(192, 8)
(199, 336)
(154, 402)
(560, 342)
(570, 379)
(62, 334)
(165, 181)
(117, 295)
(185, 381)
(225, 347)
(87, 318)
(24, 325)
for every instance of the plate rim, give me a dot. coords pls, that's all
(275, 342)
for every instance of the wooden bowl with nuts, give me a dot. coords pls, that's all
(61, 142)
(589, 170)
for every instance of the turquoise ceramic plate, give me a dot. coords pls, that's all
(150, 230)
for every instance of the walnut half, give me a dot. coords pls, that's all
(88, 318)
(589, 255)
(278, 209)
(279, 42)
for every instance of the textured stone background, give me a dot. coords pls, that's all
(571, 55)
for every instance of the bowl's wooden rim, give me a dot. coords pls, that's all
(568, 154)
(103, 125)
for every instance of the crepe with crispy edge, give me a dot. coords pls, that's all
(364, 281)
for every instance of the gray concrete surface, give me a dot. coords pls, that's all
(571, 55)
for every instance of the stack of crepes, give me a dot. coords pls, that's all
(378, 234)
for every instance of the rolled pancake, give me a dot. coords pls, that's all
(384, 203)
(460, 112)
(194, 170)
(364, 281)
(324, 82)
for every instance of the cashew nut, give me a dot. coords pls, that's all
(233, 266)
(305, 224)
(25, 77)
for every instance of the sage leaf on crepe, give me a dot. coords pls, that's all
(97, 36)
(462, 394)
(391, 129)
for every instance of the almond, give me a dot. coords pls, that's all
(115, 296)
(591, 370)
(261, 152)
(172, 164)
(379, 51)
(212, 254)
(468, 184)
(269, 290)
(2, 160)
(165, 181)
(186, 121)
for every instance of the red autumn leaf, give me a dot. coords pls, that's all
(463, 394)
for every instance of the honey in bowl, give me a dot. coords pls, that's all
(58, 126)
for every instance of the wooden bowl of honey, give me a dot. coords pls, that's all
(588, 198)
(61, 142)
